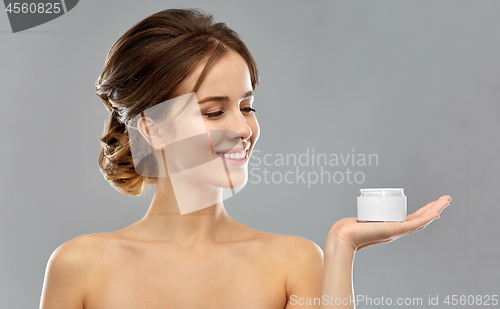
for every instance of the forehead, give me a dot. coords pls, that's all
(229, 75)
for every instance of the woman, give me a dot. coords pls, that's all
(178, 256)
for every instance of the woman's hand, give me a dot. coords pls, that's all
(350, 232)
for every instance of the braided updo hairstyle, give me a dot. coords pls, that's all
(147, 66)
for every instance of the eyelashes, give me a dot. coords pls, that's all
(246, 111)
(249, 110)
(215, 114)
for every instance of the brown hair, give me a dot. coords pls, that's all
(146, 66)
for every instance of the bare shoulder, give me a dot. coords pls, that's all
(289, 250)
(79, 250)
(75, 257)
(74, 252)
(295, 249)
(302, 263)
(67, 274)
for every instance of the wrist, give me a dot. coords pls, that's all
(338, 253)
(336, 240)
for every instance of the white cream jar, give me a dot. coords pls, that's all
(381, 204)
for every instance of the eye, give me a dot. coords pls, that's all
(214, 114)
(248, 110)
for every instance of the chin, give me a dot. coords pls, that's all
(240, 181)
(238, 176)
(236, 179)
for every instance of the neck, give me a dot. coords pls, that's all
(164, 220)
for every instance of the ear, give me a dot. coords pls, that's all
(151, 132)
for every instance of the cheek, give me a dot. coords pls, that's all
(214, 136)
(207, 124)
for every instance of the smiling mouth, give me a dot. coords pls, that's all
(233, 155)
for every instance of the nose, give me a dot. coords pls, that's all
(239, 125)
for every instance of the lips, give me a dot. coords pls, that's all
(235, 156)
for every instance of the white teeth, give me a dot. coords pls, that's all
(234, 156)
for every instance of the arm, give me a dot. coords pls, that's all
(348, 236)
(330, 282)
(304, 273)
(337, 280)
(65, 276)
(311, 281)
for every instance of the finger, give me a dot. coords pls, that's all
(437, 205)
(382, 241)
(444, 202)
(416, 222)
(419, 228)
(421, 223)
(420, 211)
(440, 204)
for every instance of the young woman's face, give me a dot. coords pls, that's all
(225, 99)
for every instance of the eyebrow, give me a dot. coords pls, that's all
(225, 98)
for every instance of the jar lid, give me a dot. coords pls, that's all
(382, 192)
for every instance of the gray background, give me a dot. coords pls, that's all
(416, 82)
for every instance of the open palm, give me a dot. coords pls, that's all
(360, 235)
